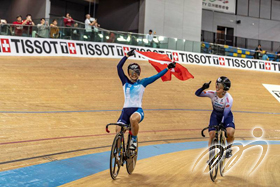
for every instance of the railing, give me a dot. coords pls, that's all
(102, 35)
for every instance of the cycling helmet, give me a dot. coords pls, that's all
(225, 82)
(135, 67)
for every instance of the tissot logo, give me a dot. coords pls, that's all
(175, 56)
(72, 48)
(64, 47)
(125, 50)
(268, 66)
(222, 61)
(5, 44)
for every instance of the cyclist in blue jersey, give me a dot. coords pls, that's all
(133, 88)
(222, 103)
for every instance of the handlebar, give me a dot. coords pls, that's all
(119, 124)
(202, 134)
(217, 127)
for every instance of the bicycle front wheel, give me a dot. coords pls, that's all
(116, 156)
(213, 159)
(131, 156)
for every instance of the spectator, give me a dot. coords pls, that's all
(265, 57)
(43, 29)
(3, 25)
(258, 52)
(17, 25)
(68, 20)
(27, 30)
(112, 38)
(150, 38)
(95, 31)
(76, 32)
(96, 26)
(3, 21)
(54, 32)
(89, 22)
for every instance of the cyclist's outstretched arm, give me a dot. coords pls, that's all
(227, 109)
(201, 93)
(121, 74)
(145, 82)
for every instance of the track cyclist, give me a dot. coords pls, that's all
(133, 88)
(222, 103)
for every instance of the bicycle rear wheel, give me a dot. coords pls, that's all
(116, 156)
(222, 162)
(131, 156)
(213, 159)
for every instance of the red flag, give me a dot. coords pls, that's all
(181, 72)
(160, 62)
(159, 67)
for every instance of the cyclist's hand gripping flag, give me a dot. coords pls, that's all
(161, 61)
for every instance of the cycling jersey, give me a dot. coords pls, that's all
(133, 92)
(221, 108)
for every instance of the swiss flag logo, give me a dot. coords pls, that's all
(222, 61)
(5, 44)
(125, 50)
(175, 56)
(72, 48)
(268, 66)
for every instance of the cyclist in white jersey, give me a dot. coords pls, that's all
(222, 103)
(133, 87)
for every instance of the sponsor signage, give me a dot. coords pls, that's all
(274, 90)
(20, 46)
(227, 6)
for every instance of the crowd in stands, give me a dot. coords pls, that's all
(69, 29)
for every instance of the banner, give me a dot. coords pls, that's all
(227, 6)
(20, 46)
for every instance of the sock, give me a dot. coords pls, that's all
(134, 138)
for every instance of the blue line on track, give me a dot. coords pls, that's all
(80, 111)
(64, 171)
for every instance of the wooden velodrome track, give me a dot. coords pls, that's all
(53, 108)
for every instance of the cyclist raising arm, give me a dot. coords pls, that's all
(222, 103)
(133, 88)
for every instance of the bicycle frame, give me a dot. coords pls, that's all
(124, 128)
(216, 158)
(218, 128)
